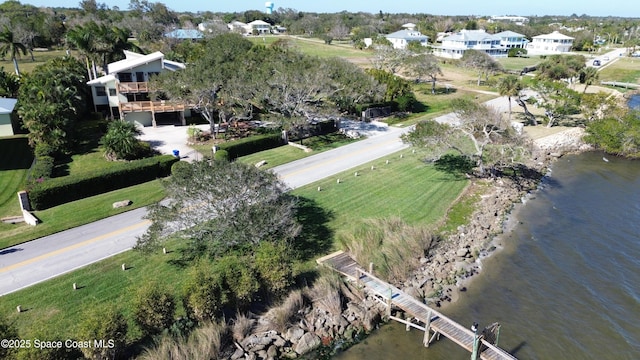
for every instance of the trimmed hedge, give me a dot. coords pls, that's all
(56, 191)
(250, 145)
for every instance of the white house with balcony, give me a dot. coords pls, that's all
(258, 27)
(400, 39)
(124, 92)
(554, 43)
(510, 40)
(454, 46)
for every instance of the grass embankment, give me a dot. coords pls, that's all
(15, 159)
(406, 188)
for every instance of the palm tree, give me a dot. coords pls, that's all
(100, 43)
(588, 76)
(8, 44)
(120, 141)
(81, 37)
(509, 86)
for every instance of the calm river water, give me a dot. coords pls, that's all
(567, 283)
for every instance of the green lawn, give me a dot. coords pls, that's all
(15, 159)
(518, 63)
(54, 309)
(315, 47)
(625, 69)
(81, 212)
(274, 157)
(26, 64)
(406, 187)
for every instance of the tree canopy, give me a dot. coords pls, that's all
(233, 78)
(220, 207)
(480, 133)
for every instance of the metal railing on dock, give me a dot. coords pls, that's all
(432, 322)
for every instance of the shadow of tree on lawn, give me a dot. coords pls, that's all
(316, 237)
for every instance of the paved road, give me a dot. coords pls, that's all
(39, 260)
(308, 170)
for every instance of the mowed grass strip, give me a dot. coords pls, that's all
(54, 308)
(274, 157)
(406, 187)
(81, 212)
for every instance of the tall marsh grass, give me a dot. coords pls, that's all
(281, 317)
(205, 342)
(390, 244)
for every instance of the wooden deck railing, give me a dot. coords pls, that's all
(153, 106)
(133, 87)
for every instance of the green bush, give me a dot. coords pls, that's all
(273, 263)
(103, 323)
(53, 192)
(154, 308)
(221, 155)
(205, 294)
(42, 169)
(251, 145)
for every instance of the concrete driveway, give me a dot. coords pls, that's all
(168, 138)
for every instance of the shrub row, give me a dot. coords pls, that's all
(250, 145)
(56, 191)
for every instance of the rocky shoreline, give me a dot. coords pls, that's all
(329, 318)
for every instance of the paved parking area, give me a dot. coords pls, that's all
(167, 138)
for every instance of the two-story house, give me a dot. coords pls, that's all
(400, 39)
(124, 92)
(454, 46)
(554, 43)
(511, 39)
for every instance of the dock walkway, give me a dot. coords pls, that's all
(428, 320)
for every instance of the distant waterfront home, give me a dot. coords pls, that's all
(124, 92)
(454, 46)
(518, 20)
(400, 39)
(510, 40)
(553, 43)
(8, 118)
(185, 34)
(258, 27)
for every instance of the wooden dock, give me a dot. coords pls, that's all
(422, 316)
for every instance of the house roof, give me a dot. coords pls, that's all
(258, 22)
(407, 35)
(471, 35)
(184, 34)
(134, 60)
(7, 105)
(101, 80)
(554, 35)
(508, 33)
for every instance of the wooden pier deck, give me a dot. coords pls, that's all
(432, 321)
